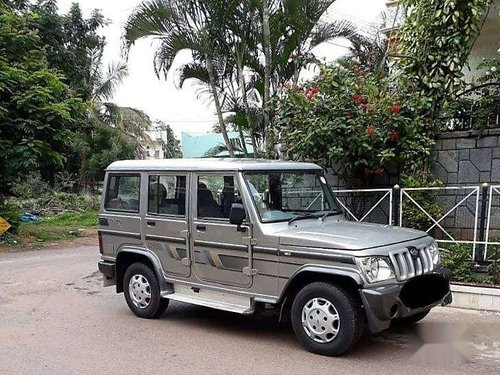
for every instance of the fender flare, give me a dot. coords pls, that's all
(337, 271)
(157, 268)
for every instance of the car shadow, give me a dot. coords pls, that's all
(266, 326)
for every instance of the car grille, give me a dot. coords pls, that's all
(407, 265)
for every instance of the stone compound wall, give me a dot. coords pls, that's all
(468, 158)
(465, 158)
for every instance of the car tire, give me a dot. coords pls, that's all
(313, 315)
(142, 292)
(412, 319)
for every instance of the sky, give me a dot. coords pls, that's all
(182, 108)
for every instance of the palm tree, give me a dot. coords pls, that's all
(132, 122)
(183, 25)
(290, 30)
(245, 45)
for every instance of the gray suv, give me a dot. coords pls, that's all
(245, 235)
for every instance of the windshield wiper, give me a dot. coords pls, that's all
(302, 216)
(328, 213)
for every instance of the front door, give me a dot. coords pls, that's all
(221, 251)
(166, 225)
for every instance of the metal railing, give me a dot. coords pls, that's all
(480, 197)
(387, 194)
(493, 190)
(474, 193)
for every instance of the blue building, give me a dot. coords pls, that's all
(204, 145)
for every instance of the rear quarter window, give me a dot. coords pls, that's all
(123, 193)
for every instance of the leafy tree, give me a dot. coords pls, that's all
(37, 109)
(434, 45)
(101, 149)
(68, 38)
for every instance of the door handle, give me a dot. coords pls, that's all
(151, 223)
(201, 228)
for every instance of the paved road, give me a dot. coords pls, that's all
(56, 318)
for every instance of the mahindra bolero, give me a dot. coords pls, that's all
(245, 235)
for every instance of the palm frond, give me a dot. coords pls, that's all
(169, 47)
(324, 32)
(150, 18)
(131, 121)
(193, 70)
(105, 88)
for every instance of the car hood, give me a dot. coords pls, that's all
(345, 235)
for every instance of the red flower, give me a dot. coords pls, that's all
(394, 135)
(311, 93)
(364, 107)
(379, 171)
(357, 98)
(396, 108)
(367, 172)
(370, 131)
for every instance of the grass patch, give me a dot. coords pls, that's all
(62, 226)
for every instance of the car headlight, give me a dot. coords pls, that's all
(434, 251)
(376, 268)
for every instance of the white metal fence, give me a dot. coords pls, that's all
(478, 202)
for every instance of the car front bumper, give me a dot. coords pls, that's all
(384, 303)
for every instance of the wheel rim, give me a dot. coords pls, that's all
(320, 320)
(139, 291)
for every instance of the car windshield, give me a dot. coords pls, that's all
(290, 195)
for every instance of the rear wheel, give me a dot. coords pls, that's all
(142, 292)
(326, 319)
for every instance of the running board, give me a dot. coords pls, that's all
(211, 298)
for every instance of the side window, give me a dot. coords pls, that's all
(167, 195)
(123, 193)
(216, 194)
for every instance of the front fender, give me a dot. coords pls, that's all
(350, 274)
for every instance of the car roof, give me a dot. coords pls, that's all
(208, 164)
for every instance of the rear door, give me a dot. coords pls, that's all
(221, 251)
(165, 225)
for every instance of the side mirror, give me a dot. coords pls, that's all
(237, 214)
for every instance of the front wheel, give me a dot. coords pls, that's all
(142, 292)
(326, 319)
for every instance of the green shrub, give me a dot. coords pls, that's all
(414, 217)
(494, 273)
(30, 186)
(57, 202)
(457, 258)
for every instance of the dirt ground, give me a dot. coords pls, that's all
(56, 318)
